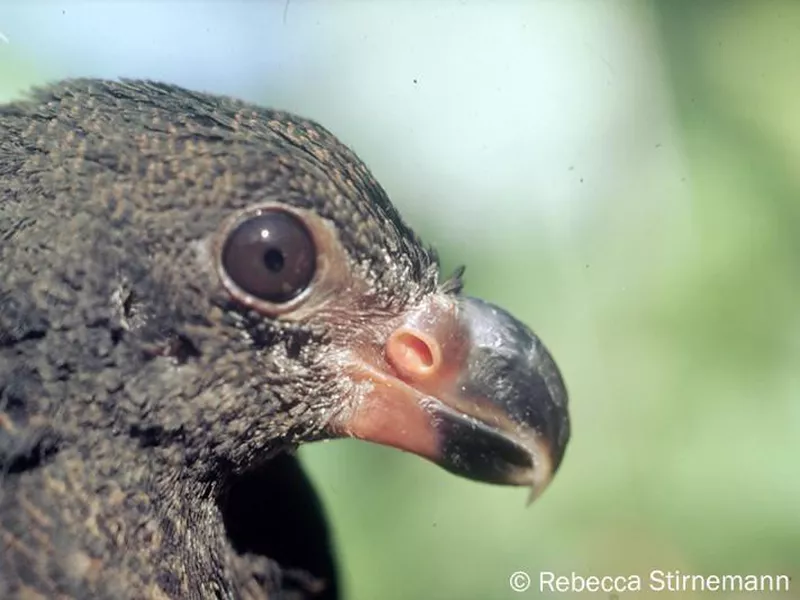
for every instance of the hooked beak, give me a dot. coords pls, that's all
(464, 384)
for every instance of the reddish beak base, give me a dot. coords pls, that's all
(462, 383)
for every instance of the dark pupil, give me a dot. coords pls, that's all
(273, 259)
(270, 256)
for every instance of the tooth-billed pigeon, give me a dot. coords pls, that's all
(192, 286)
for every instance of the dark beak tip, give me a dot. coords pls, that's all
(511, 367)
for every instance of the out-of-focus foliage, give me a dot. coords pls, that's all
(670, 302)
(16, 74)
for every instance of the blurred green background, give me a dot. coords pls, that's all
(623, 176)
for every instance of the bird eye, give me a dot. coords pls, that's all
(270, 256)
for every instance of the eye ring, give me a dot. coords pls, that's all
(268, 258)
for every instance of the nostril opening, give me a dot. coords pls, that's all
(420, 349)
(412, 354)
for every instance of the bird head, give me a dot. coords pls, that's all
(262, 292)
